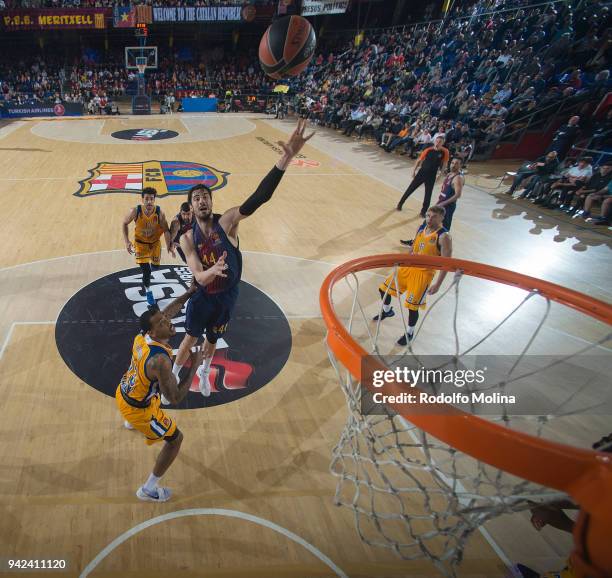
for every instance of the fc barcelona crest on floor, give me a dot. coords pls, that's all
(167, 177)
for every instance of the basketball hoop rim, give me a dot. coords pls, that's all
(586, 475)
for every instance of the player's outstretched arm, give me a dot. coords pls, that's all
(160, 368)
(131, 216)
(553, 515)
(202, 277)
(173, 309)
(230, 219)
(446, 250)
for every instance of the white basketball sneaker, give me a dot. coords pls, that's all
(204, 382)
(158, 495)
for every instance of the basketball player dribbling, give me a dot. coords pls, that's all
(431, 239)
(150, 224)
(212, 254)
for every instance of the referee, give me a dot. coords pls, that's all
(430, 161)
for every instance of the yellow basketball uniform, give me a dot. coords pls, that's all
(138, 397)
(147, 245)
(414, 281)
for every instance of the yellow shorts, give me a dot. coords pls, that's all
(150, 421)
(413, 282)
(148, 252)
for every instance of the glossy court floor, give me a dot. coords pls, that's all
(253, 473)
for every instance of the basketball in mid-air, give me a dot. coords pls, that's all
(287, 47)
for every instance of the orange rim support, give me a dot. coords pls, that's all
(585, 475)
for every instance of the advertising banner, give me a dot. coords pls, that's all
(40, 109)
(317, 7)
(199, 104)
(196, 13)
(56, 19)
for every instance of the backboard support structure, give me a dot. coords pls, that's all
(141, 58)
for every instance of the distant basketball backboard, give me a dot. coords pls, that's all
(132, 53)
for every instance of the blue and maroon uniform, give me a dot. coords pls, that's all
(210, 308)
(184, 226)
(448, 191)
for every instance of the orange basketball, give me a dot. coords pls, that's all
(287, 47)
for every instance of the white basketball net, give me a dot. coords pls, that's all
(141, 64)
(408, 491)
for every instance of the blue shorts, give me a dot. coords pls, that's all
(210, 314)
(448, 215)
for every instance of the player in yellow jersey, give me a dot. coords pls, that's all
(416, 282)
(149, 375)
(150, 225)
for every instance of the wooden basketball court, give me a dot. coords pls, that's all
(252, 488)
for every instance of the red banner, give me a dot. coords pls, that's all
(58, 18)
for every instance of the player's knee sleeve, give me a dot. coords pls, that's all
(212, 339)
(387, 298)
(413, 317)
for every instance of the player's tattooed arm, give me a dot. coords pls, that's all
(131, 216)
(173, 309)
(160, 368)
(201, 276)
(230, 219)
(446, 250)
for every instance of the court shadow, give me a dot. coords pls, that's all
(362, 236)
(576, 231)
(59, 478)
(213, 475)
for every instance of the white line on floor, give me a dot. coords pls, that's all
(10, 331)
(211, 512)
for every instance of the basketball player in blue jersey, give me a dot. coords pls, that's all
(212, 254)
(452, 189)
(181, 223)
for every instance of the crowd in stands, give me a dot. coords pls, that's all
(472, 79)
(213, 74)
(473, 76)
(469, 78)
(572, 188)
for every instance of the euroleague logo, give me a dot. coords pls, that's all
(144, 134)
(96, 328)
